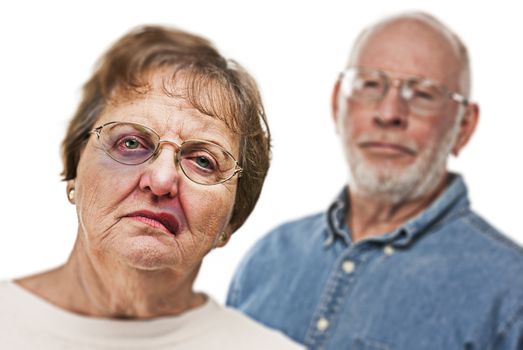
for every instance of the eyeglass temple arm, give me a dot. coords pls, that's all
(96, 130)
(459, 98)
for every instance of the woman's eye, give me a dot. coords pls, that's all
(200, 161)
(203, 162)
(131, 143)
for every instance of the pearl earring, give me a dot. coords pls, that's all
(223, 237)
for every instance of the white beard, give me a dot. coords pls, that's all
(394, 185)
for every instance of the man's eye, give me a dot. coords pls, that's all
(370, 84)
(424, 95)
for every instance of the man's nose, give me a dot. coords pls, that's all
(162, 174)
(393, 109)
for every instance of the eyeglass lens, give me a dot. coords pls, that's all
(372, 85)
(202, 162)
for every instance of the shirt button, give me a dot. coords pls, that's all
(388, 250)
(348, 266)
(322, 324)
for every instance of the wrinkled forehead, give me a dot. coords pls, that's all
(205, 94)
(410, 46)
(169, 106)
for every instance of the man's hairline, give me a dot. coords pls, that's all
(464, 81)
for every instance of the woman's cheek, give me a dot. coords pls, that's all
(209, 211)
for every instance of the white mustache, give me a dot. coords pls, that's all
(394, 139)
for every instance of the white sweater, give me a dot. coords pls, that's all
(29, 322)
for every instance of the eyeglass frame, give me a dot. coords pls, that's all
(237, 169)
(400, 82)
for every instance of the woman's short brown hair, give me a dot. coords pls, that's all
(212, 84)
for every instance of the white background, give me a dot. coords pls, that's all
(294, 50)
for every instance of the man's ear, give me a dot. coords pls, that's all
(467, 127)
(335, 103)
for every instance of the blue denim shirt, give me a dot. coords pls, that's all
(444, 280)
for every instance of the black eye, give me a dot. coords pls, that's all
(131, 143)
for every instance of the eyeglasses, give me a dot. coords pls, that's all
(202, 162)
(423, 96)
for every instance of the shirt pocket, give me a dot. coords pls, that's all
(368, 344)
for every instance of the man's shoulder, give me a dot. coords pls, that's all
(481, 236)
(278, 257)
(477, 251)
(491, 233)
(308, 230)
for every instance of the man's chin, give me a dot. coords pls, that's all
(391, 186)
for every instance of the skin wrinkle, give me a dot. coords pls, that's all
(122, 309)
(208, 126)
(132, 267)
(116, 260)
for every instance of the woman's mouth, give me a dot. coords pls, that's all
(163, 221)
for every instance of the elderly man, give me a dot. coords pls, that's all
(399, 260)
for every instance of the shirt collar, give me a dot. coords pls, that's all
(454, 200)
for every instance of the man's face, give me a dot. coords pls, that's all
(394, 152)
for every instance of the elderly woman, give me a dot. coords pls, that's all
(164, 159)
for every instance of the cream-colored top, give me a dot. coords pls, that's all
(29, 322)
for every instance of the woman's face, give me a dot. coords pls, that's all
(150, 216)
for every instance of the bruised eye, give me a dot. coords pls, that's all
(131, 143)
(132, 146)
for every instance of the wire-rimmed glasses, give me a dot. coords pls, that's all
(203, 162)
(423, 96)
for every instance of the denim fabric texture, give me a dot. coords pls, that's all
(445, 279)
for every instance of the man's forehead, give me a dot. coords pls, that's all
(410, 46)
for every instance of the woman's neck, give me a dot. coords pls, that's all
(102, 287)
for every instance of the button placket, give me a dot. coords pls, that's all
(322, 324)
(336, 293)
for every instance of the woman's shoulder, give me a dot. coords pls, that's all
(13, 321)
(10, 295)
(237, 331)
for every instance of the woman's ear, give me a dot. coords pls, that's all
(222, 239)
(70, 190)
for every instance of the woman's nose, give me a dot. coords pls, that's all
(162, 174)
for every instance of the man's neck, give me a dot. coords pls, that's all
(369, 216)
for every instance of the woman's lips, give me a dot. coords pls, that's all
(162, 221)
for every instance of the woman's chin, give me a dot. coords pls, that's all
(148, 253)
